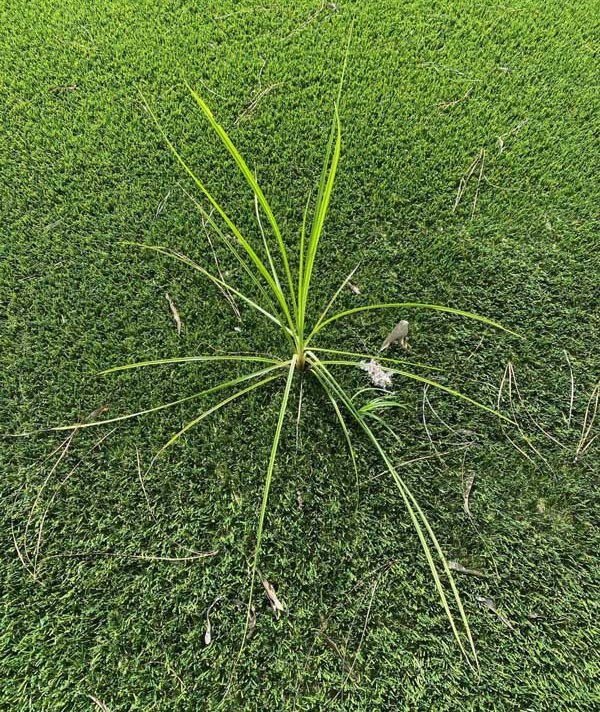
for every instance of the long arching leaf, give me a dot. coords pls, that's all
(252, 182)
(418, 518)
(266, 489)
(230, 224)
(410, 305)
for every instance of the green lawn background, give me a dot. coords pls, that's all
(430, 85)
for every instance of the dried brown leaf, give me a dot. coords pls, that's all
(490, 605)
(276, 604)
(99, 703)
(174, 312)
(459, 568)
(468, 486)
(398, 333)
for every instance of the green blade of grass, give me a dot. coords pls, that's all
(346, 432)
(264, 240)
(210, 411)
(266, 489)
(186, 260)
(377, 357)
(191, 359)
(322, 205)
(417, 516)
(379, 403)
(231, 248)
(336, 294)
(304, 257)
(411, 305)
(163, 406)
(381, 421)
(323, 195)
(423, 379)
(252, 182)
(230, 224)
(301, 267)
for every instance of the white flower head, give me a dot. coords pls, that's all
(380, 377)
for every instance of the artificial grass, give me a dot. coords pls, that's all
(83, 169)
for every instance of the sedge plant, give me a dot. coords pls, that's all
(283, 297)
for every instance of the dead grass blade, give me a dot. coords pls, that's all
(459, 568)
(249, 110)
(64, 448)
(467, 487)
(374, 587)
(508, 379)
(490, 605)
(138, 557)
(40, 531)
(479, 177)
(102, 705)
(464, 181)
(206, 220)
(174, 312)
(528, 412)
(141, 478)
(276, 604)
(572, 393)
(588, 423)
(208, 630)
(448, 104)
(331, 6)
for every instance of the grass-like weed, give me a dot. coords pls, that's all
(285, 299)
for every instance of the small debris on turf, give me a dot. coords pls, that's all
(490, 605)
(468, 486)
(99, 703)
(174, 312)
(61, 89)
(251, 621)
(208, 631)
(380, 377)
(398, 334)
(533, 616)
(276, 604)
(459, 568)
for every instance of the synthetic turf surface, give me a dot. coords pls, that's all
(430, 87)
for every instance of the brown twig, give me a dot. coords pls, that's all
(448, 104)
(324, 6)
(254, 103)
